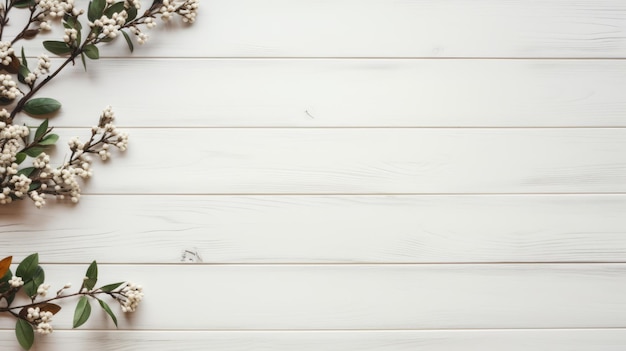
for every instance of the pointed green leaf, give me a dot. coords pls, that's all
(34, 151)
(118, 7)
(27, 268)
(82, 57)
(50, 139)
(92, 51)
(30, 286)
(96, 9)
(24, 61)
(22, 4)
(20, 157)
(128, 41)
(27, 171)
(22, 73)
(92, 276)
(107, 309)
(132, 13)
(82, 312)
(41, 130)
(57, 47)
(25, 334)
(41, 106)
(111, 287)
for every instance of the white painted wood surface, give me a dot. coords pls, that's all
(353, 175)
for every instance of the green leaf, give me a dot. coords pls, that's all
(22, 4)
(50, 139)
(4, 287)
(41, 106)
(107, 309)
(30, 286)
(41, 130)
(132, 13)
(82, 57)
(27, 171)
(25, 334)
(22, 73)
(20, 157)
(96, 9)
(24, 61)
(33, 151)
(27, 268)
(128, 41)
(92, 51)
(115, 8)
(57, 47)
(111, 287)
(34, 186)
(92, 276)
(82, 312)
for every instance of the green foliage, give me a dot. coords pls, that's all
(92, 51)
(25, 334)
(111, 287)
(128, 41)
(91, 275)
(96, 9)
(82, 312)
(41, 106)
(28, 267)
(107, 309)
(57, 47)
(30, 286)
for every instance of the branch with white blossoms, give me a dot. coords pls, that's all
(36, 315)
(106, 20)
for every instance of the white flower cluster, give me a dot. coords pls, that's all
(43, 67)
(8, 87)
(6, 53)
(42, 290)
(187, 9)
(16, 282)
(57, 8)
(41, 318)
(52, 9)
(10, 144)
(133, 294)
(132, 3)
(70, 35)
(110, 26)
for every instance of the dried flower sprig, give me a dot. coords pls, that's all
(36, 315)
(106, 20)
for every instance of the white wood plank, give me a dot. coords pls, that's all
(491, 340)
(346, 93)
(320, 229)
(351, 161)
(242, 297)
(381, 28)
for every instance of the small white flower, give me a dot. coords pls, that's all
(16, 282)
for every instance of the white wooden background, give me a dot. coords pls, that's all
(353, 175)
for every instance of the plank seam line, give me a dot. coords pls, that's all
(363, 127)
(342, 330)
(354, 194)
(348, 264)
(364, 58)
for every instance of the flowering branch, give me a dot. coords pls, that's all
(106, 20)
(36, 316)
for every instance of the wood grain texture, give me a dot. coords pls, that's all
(359, 161)
(330, 297)
(381, 28)
(488, 340)
(320, 229)
(347, 93)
